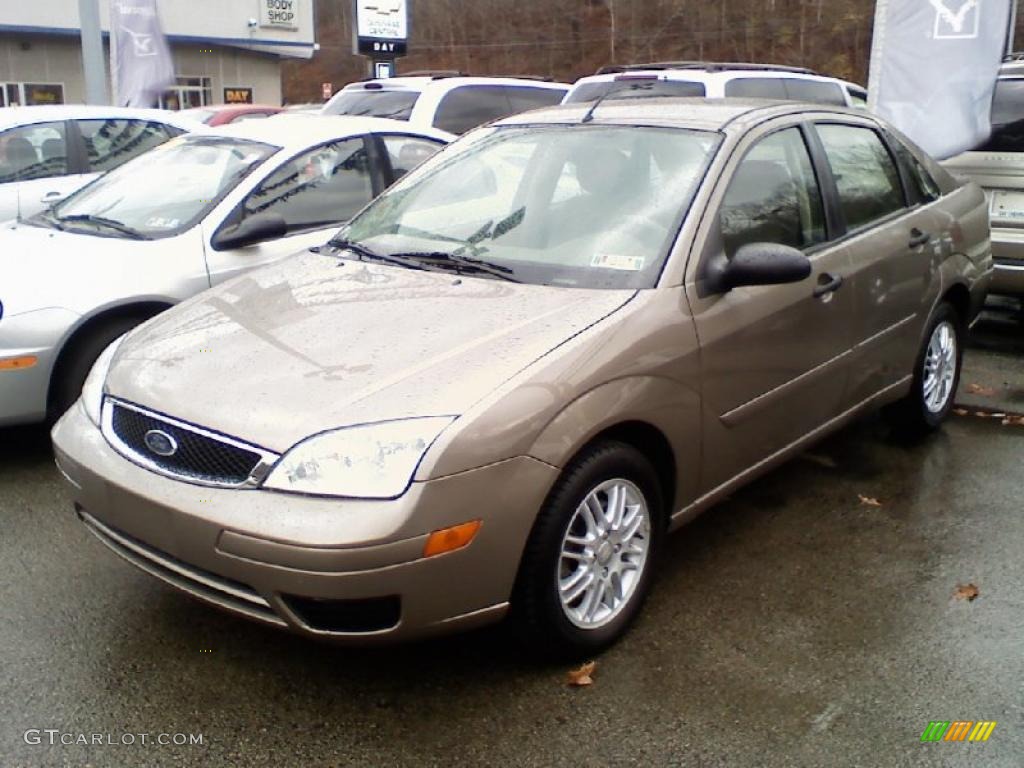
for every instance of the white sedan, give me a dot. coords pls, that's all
(48, 152)
(186, 215)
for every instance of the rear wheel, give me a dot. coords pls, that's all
(76, 361)
(589, 561)
(936, 375)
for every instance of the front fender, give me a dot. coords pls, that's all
(665, 404)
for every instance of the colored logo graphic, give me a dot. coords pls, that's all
(958, 730)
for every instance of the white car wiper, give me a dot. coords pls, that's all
(102, 221)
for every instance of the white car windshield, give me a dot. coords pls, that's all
(582, 205)
(164, 191)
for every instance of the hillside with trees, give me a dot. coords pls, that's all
(565, 39)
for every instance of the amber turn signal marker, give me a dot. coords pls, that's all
(16, 363)
(450, 539)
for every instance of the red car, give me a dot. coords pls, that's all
(222, 114)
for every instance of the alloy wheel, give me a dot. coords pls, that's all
(603, 554)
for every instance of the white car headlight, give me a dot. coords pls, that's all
(92, 391)
(370, 461)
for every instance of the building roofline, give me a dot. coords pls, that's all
(243, 42)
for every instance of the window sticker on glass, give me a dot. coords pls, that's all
(617, 261)
(159, 222)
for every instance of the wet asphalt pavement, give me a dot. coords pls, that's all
(793, 625)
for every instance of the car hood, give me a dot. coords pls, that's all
(314, 343)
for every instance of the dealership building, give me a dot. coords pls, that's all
(224, 50)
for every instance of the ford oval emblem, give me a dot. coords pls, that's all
(160, 443)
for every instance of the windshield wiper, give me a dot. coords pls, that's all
(459, 262)
(365, 253)
(48, 217)
(117, 226)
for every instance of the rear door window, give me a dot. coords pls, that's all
(110, 143)
(468, 106)
(865, 174)
(33, 152)
(406, 152)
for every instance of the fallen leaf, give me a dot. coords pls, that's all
(1011, 420)
(981, 414)
(966, 592)
(582, 675)
(982, 391)
(960, 411)
(868, 501)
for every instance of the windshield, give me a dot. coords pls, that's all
(632, 88)
(167, 190)
(373, 103)
(582, 205)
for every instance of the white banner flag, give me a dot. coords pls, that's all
(140, 59)
(933, 69)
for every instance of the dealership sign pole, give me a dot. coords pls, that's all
(381, 32)
(92, 52)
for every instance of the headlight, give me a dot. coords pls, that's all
(373, 461)
(92, 390)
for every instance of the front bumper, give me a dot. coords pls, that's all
(343, 569)
(24, 392)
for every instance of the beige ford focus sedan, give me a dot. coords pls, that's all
(499, 386)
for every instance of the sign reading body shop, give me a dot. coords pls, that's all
(282, 14)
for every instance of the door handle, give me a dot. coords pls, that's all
(827, 284)
(918, 238)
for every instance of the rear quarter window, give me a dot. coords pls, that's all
(756, 88)
(815, 91)
(468, 106)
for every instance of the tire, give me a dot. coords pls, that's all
(76, 361)
(581, 625)
(925, 407)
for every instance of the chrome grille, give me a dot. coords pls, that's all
(198, 455)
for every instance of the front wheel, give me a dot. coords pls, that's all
(936, 375)
(589, 560)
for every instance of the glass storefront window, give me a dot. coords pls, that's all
(20, 94)
(188, 93)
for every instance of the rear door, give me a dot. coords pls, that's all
(315, 192)
(895, 240)
(774, 358)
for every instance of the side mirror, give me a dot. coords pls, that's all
(251, 230)
(758, 264)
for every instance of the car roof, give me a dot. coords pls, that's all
(297, 130)
(676, 112)
(233, 108)
(13, 116)
(693, 75)
(420, 83)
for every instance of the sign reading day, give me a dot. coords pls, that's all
(281, 14)
(382, 27)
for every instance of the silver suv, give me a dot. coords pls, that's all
(998, 166)
(717, 80)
